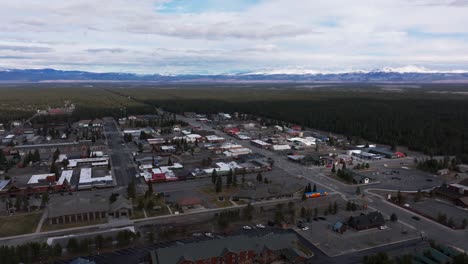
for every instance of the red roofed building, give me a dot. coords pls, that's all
(297, 128)
(400, 154)
(232, 130)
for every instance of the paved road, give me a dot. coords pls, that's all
(433, 230)
(123, 167)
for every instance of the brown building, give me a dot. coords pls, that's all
(237, 249)
(75, 209)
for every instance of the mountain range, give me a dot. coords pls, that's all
(408, 74)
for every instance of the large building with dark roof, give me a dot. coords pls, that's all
(366, 221)
(75, 209)
(236, 249)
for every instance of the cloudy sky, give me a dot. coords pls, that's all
(233, 36)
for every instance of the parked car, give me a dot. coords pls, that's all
(260, 226)
(247, 227)
(383, 227)
(196, 234)
(322, 218)
(417, 218)
(305, 228)
(406, 205)
(209, 235)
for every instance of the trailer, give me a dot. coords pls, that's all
(316, 194)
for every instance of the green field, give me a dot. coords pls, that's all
(19, 224)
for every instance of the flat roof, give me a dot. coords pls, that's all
(86, 177)
(214, 137)
(193, 136)
(240, 150)
(66, 175)
(4, 183)
(260, 142)
(38, 177)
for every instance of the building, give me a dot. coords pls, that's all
(76, 209)
(384, 152)
(214, 139)
(281, 147)
(237, 151)
(223, 168)
(307, 141)
(260, 144)
(39, 183)
(462, 168)
(87, 181)
(366, 221)
(235, 249)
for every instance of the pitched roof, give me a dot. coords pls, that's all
(216, 247)
(120, 203)
(68, 205)
(367, 220)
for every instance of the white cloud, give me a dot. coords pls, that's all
(125, 35)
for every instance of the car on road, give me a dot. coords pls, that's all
(209, 235)
(247, 227)
(406, 205)
(417, 218)
(316, 219)
(260, 226)
(305, 228)
(429, 180)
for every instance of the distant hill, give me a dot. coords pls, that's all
(384, 75)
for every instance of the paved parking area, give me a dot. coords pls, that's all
(335, 244)
(398, 178)
(433, 208)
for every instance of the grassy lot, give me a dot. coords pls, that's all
(137, 213)
(19, 224)
(46, 227)
(145, 202)
(213, 196)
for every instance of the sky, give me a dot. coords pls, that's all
(233, 36)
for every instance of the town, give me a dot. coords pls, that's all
(231, 187)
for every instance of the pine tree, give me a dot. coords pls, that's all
(358, 190)
(234, 179)
(214, 176)
(229, 178)
(315, 188)
(259, 177)
(219, 184)
(131, 190)
(56, 155)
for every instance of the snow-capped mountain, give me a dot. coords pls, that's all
(407, 74)
(302, 71)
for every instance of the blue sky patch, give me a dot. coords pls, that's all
(200, 6)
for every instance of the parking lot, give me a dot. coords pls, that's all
(401, 177)
(333, 244)
(433, 208)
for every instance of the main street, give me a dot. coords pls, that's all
(431, 229)
(123, 167)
